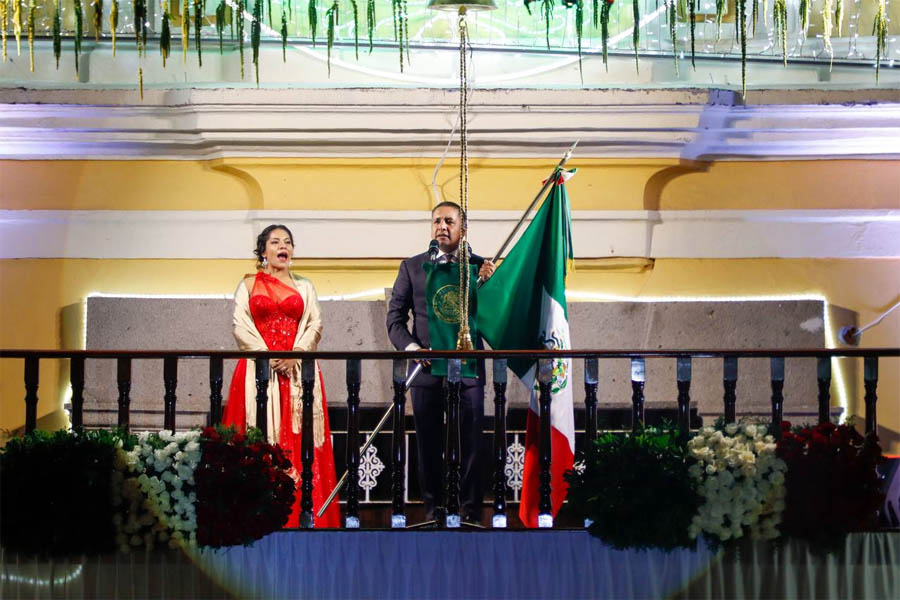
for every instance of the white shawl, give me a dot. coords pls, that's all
(309, 332)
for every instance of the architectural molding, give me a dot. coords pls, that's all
(819, 234)
(206, 124)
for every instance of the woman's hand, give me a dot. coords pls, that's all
(283, 366)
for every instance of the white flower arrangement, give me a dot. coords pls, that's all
(741, 480)
(158, 501)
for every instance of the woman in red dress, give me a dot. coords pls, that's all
(277, 310)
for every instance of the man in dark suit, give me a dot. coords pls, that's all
(427, 391)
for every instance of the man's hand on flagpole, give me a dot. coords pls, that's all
(486, 270)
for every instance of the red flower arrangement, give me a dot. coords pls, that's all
(243, 489)
(832, 485)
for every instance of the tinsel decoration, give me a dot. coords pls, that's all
(779, 19)
(721, 6)
(79, 30)
(672, 18)
(636, 32)
(284, 36)
(331, 18)
(692, 14)
(839, 15)
(827, 26)
(406, 29)
(114, 22)
(185, 29)
(547, 13)
(604, 30)
(401, 27)
(140, 25)
(4, 17)
(313, 16)
(255, 31)
(804, 16)
(879, 30)
(98, 18)
(355, 28)
(370, 21)
(755, 14)
(220, 23)
(17, 25)
(165, 34)
(199, 10)
(595, 9)
(57, 30)
(32, 7)
(579, 32)
(269, 9)
(239, 18)
(742, 18)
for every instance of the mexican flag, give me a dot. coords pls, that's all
(523, 306)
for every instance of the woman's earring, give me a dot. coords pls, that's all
(265, 263)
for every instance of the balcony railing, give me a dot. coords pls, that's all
(591, 358)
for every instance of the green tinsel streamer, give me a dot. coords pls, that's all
(671, 16)
(839, 15)
(140, 18)
(98, 18)
(355, 28)
(255, 30)
(269, 2)
(636, 32)
(405, 24)
(313, 15)
(331, 18)
(879, 30)
(547, 13)
(239, 17)
(579, 27)
(742, 16)
(596, 11)
(604, 30)
(692, 7)
(199, 11)
(401, 27)
(804, 15)
(220, 23)
(165, 35)
(57, 29)
(720, 12)
(114, 23)
(79, 29)
(779, 19)
(31, 8)
(755, 14)
(284, 34)
(370, 21)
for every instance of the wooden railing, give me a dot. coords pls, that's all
(353, 360)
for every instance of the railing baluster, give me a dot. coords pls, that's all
(354, 377)
(870, 381)
(683, 377)
(777, 370)
(215, 390)
(499, 519)
(76, 378)
(170, 381)
(591, 382)
(32, 378)
(545, 382)
(307, 446)
(398, 445)
(452, 452)
(729, 380)
(638, 378)
(262, 395)
(823, 372)
(123, 378)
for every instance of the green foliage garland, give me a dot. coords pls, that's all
(312, 13)
(401, 27)
(185, 29)
(779, 17)
(165, 35)
(79, 30)
(579, 32)
(839, 15)
(692, 8)
(720, 12)
(284, 36)
(239, 17)
(255, 30)
(140, 21)
(331, 18)
(742, 16)
(370, 21)
(672, 17)
(355, 28)
(57, 30)
(547, 13)
(199, 11)
(114, 23)
(31, 8)
(596, 11)
(620, 487)
(879, 30)
(604, 30)
(636, 32)
(804, 15)
(220, 23)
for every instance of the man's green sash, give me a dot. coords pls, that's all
(442, 301)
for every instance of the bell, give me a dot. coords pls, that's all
(461, 6)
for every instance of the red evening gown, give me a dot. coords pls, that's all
(276, 309)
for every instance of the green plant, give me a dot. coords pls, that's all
(620, 487)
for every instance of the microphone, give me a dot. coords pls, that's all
(849, 336)
(433, 249)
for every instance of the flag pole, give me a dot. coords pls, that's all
(534, 202)
(362, 450)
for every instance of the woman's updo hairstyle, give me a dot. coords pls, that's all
(263, 238)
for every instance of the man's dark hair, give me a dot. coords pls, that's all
(449, 203)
